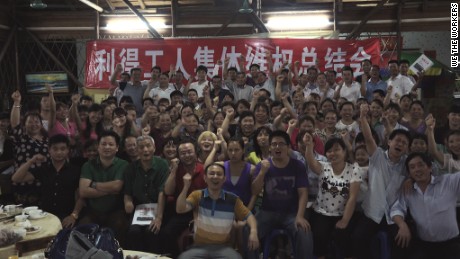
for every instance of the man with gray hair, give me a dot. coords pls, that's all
(144, 183)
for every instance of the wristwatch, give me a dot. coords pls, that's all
(93, 184)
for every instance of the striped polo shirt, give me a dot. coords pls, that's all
(214, 219)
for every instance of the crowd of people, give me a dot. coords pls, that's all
(331, 162)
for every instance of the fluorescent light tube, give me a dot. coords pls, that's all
(93, 5)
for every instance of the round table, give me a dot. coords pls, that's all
(50, 226)
(143, 254)
(125, 254)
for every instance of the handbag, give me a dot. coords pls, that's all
(86, 242)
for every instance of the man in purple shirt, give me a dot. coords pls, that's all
(285, 182)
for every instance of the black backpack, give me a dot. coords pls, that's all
(84, 242)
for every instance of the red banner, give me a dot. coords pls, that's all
(186, 54)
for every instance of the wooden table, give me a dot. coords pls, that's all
(50, 226)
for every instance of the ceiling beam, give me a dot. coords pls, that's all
(151, 30)
(359, 27)
(258, 23)
(142, 4)
(226, 24)
(174, 16)
(110, 4)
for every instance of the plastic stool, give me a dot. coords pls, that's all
(269, 238)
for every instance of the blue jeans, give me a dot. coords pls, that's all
(267, 221)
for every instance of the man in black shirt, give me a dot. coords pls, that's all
(59, 181)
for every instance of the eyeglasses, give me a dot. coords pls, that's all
(281, 144)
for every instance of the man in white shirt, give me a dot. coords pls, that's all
(163, 91)
(404, 69)
(399, 84)
(349, 89)
(201, 73)
(330, 78)
(264, 82)
(385, 176)
(312, 74)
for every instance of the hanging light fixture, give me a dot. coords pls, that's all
(37, 4)
(245, 8)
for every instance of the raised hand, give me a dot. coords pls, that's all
(308, 140)
(292, 123)
(364, 110)
(219, 133)
(49, 88)
(174, 164)
(16, 96)
(279, 78)
(389, 89)
(75, 98)
(187, 180)
(146, 130)
(430, 121)
(230, 112)
(264, 165)
(119, 68)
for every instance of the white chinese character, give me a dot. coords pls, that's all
(122, 57)
(335, 59)
(281, 57)
(180, 65)
(309, 58)
(132, 59)
(233, 57)
(356, 60)
(111, 61)
(258, 57)
(101, 63)
(205, 57)
(153, 54)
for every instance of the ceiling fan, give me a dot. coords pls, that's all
(37, 4)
